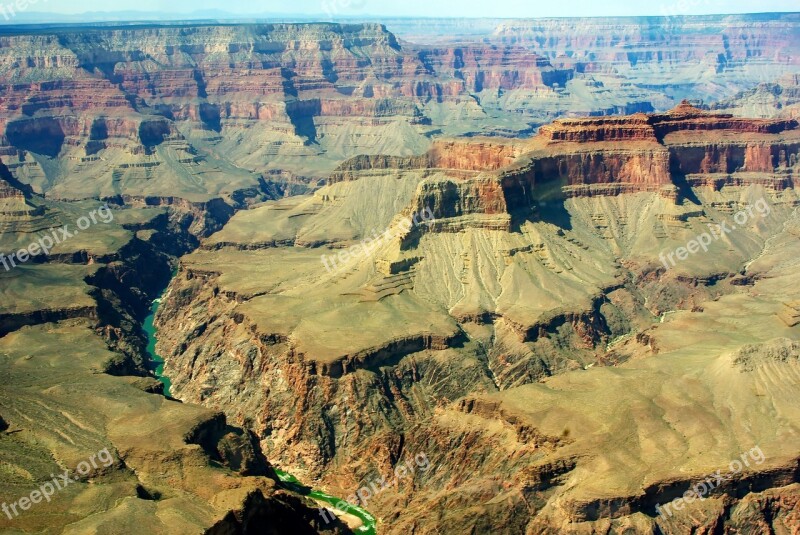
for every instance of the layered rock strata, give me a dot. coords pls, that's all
(520, 338)
(75, 388)
(204, 110)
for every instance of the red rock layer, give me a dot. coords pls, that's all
(631, 128)
(599, 156)
(458, 158)
(482, 67)
(472, 155)
(634, 149)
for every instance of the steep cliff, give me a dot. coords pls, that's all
(502, 307)
(585, 157)
(517, 338)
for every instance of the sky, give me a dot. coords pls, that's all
(331, 9)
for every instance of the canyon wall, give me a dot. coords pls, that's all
(77, 388)
(583, 157)
(722, 42)
(207, 110)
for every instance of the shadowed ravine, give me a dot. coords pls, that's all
(156, 364)
(290, 482)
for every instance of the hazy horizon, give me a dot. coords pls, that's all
(332, 9)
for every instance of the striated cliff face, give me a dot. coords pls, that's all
(724, 44)
(199, 111)
(518, 339)
(208, 100)
(462, 157)
(766, 33)
(585, 157)
(497, 68)
(160, 106)
(660, 149)
(155, 107)
(707, 58)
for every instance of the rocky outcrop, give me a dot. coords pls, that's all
(598, 156)
(453, 198)
(769, 99)
(496, 336)
(282, 512)
(637, 127)
(473, 155)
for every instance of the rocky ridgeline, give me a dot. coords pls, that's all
(464, 157)
(504, 68)
(107, 99)
(590, 43)
(586, 157)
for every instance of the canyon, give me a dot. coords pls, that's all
(528, 338)
(74, 382)
(425, 343)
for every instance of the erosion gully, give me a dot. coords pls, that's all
(287, 481)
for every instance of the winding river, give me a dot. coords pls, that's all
(156, 364)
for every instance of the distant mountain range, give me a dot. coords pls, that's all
(39, 17)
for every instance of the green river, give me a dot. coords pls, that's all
(156, 365)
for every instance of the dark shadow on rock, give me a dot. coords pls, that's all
(548, 205)
(235, 448)
(279, 514)
(153, 132)
(685, 191)
(41, 136)
(211, 117)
